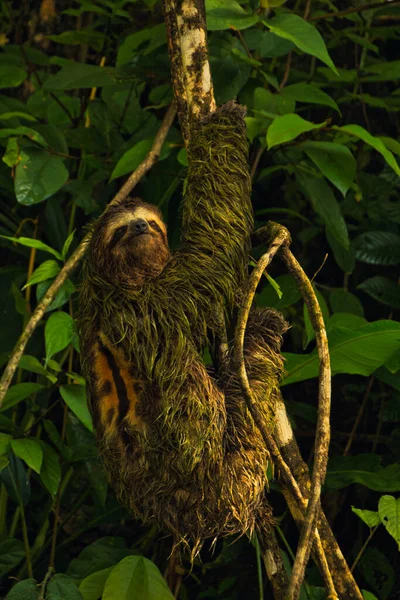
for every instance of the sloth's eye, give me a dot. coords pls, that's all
(119, 234)
(152, 223)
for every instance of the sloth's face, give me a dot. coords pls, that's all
(130, 242)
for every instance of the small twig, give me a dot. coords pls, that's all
(287, 71)
(45, 582)
(367, 541)
(355, 9)
(322, 436)
(73, 261)
(359, 415)
(256, 160)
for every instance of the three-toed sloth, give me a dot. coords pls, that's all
(176, 438)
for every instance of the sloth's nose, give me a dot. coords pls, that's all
(140, 226)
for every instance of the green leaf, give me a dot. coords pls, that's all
(375, 142)
(345, 258)
(5, 441)
(50, 473)
(264, 100)
(345, 320)
(24, 590)
(369, 517)
(18, 114)
(275, 286)
(344, 301)
(335, 161)
(224, 15)
(11, 76)
(79, 75)
(61, 587)
(288, 127)
(389, 512)
(378, 247)
(102, 554)
(62, 296)
(152, 37)
(48, 269)
(368, 595)
(92, 586)
(303, 34)
(66, 246)
(18, 392)
(382, 289)
(289, 290)
(364, 469)
(95, 39)
(358, 352)
(32, 243)
(38, 176)
(136, 577)
(306, 92)
(30, 451)
(11, 155)
(377, 571)
(326, 206)
(30, 133)
(58, 333)
(132, 158)
(74, 397)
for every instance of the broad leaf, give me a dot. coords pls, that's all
(358, 352)
(47, 270)
(92, 586)
(222, 15)
(30, 451)
(378, 247)
(311, 94)
(303, 34)
(58, 333)
(24, 590)
(74, 397)
(32, 243)
(61, 587)
(389, 512)
(375, 142)
(38, 176)
(134, 156)
(18, 392)
(382, 289)
(364, 469)
(136, 577)
(326, 206)
(50, 473)
(288, 127)
(335, 161)
(12, 551)
(79, 75)
(343, 301)
(102, 554)
(11, 76)
(369, 517)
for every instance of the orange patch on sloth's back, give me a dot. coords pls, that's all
(116, 389)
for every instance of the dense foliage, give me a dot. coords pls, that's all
(84, 90)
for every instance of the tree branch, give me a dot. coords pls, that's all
(73, 261)
(355, 9)
(322, 437)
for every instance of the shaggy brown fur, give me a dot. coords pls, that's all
(178, 442)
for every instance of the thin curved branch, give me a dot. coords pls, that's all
(322, 437)
(74, 260)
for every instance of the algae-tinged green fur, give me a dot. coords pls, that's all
(190, 458)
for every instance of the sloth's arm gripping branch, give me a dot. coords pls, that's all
(217, 218)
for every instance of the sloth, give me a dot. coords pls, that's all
(175, 436)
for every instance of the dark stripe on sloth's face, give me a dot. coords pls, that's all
(123, 401)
